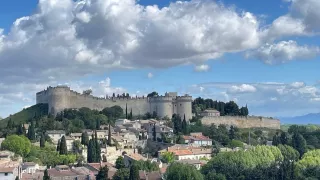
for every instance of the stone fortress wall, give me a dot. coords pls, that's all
(242, 121)
(62, 97)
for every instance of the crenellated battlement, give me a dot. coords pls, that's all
(62, 97)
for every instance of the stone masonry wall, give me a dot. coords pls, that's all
(243, 122)
(61, 97)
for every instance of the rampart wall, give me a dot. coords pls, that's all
(243, 122)
(62, 97)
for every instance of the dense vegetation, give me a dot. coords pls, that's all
(226, 109)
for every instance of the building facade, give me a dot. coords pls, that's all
(62, 97)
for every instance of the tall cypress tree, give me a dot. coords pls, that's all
(63, 146)
(10, 124)
(109, 136)
(90, 152)
(58, 146)
(134, 172)
(85, 139)
(31, 132)
(184, 126)
(46, 175)
(103, 173)
(20, 130)
(97, 149)
(42, 141)
(97, 124)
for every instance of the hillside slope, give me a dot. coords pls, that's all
(26, 114)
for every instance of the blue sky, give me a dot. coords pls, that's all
(261, 53)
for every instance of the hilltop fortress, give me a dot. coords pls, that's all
(62, 97)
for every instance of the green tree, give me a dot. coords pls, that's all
(103, 173)
(46, 175)
(299, 143)
(42, 141)
(97, 148)
(31, 132)
(63, 146)
(177, 123)
(97, 124)
(178, 171)
(109, 135)
(120, 163)
(20, 130)
(284, 138)
(113, 112)
(84, 138)
(122, 174)
(153, 94)
(134, 172)
(10, 124)
(91, 152)
(184, 126)
(232, 132)
(58, 146)
(235, 143)
(231, 108)
(18, 144)
(167, 157)
(130, 115)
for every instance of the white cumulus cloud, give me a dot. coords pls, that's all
(282, 52)
(243, 88)
(150, 75)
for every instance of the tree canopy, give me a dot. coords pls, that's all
(17, 144)
(178, 171)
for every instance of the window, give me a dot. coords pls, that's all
(180, 104)
(6, 174)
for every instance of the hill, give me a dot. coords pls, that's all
(26, 114)
(312, 118)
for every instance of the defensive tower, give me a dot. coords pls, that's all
(62, 97)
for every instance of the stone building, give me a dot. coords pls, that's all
(62, 97)
(210, 113)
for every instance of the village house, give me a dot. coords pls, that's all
(160, 131)
(9, 169)
(30, 167)
(130, 158)
(197, 139)
(210, 113)
(55, 135)
(188, 152)
(63, 172)
(69, 142)
(76, 136)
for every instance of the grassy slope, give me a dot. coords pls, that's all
(26, 114)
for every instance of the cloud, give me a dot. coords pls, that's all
(202, 68)
(243, 88)
(302, 19)
(282, 52)
(73, 38)
(266, 98)
(298, 84)
(150, 75)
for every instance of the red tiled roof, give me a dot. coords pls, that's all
(181, 152)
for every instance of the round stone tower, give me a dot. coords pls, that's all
(58, 99)
(162, 105)
(184, 106)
